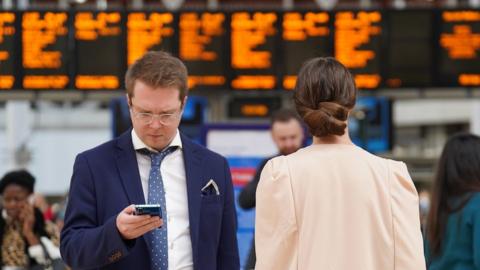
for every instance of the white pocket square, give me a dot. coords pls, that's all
(206, 190)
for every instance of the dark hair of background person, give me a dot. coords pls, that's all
(19, 177)
(324, 94)
(457, 176)
(158, 69)
(284, 115)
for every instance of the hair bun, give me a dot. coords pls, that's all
(328, 119)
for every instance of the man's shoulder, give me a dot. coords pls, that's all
(103, 149)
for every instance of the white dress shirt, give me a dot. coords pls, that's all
(175, 185)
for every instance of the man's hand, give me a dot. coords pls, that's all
(131, 226)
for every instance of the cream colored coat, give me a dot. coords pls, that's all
(337, 207)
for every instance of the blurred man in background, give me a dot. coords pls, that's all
(288, 135)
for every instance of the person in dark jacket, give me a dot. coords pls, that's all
(452, 238)
(288, 134)
(23, 230)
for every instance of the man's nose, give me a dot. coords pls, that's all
(156, 123)
(290, 142)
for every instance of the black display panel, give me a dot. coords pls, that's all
(8, 50)
(240, 50)
(357, 44)
(150, 31)
(99, 50)
(304, 35)
(409, 57)
(203, 48)
(45, 50)
(459, 44)
(254, 40)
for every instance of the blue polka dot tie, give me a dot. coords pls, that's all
(156, 195)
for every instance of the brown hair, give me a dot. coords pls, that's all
(324, 94)
(284, 115)
(158, 69)
(457, 179)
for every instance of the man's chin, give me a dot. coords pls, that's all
(288, 152)
(157, 144)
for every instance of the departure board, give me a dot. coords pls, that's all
(358, 45)
(7, 50)
(100, 50)
(149, 31)
(45, 50)
(202, 47)
(459, 42)
(254, 37)
(409, 55)
(305, 35)
(240, 49)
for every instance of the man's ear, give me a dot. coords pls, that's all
(129, 101)
(184, 102)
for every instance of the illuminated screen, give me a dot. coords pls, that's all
(202, 47)
(246, 107)
(409, 55)
(370, 124)
(459, 42)
(100, 52)
(240, 50)
(149, 31)
(45, 50)
(305, 35)
(253, 50)
(7, 50)
(358, 43)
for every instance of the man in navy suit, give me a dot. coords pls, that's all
(152, 163)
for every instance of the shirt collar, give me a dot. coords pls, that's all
(139, 144)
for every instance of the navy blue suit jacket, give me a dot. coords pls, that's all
(105, 180)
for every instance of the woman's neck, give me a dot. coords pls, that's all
(333, 139)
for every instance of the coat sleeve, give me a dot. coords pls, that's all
(276, 237)
(407, 234)
(246, 198)
(227, 258)
(84, 243)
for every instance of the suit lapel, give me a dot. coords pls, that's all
(193, 172)
(127, 166)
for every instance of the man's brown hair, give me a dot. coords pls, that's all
(158, 69)
(285, 115)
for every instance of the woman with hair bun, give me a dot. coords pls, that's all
(332, 205)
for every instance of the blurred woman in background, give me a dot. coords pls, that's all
(332, 205)
(22, 227)
(453, 225)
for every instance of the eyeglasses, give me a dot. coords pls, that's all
(147, 118)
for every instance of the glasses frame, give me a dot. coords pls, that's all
(148, 118)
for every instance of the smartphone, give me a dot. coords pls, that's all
(148, 209)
